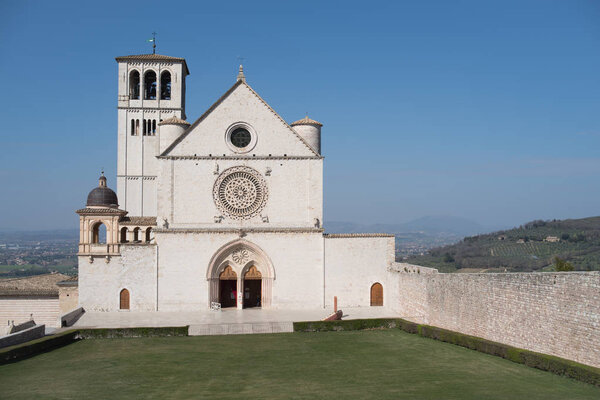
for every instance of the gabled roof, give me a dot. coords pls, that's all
(218, 102)
(154, 57)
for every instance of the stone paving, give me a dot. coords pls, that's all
(224, 322)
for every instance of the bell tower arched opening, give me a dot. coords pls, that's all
(99, 233)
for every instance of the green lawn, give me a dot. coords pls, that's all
(381, 364)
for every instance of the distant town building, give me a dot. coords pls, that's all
(552, 239)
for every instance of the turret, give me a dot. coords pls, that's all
(170, 130)
(310, 131)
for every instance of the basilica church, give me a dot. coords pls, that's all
(223, 212)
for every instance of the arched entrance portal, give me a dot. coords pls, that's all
(228, 288)
(246, 265)
(252, 288)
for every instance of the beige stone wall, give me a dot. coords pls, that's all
(353, 265)
(68, 298)
(45, 310)
(552, 313)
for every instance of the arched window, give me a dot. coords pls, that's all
(149, 236)
(124, 234)
(149, 127)
(165, 86)
(134, 85)
(377, 294)
(124, 299)
(153, 127)
(136, 235)
(150, 85)
(137, 127)
(99, 233)
(132, 127)
(144, 127)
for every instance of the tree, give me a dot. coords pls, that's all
(562, 265)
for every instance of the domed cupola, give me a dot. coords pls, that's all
(102, 196)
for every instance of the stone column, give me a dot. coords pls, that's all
(240, 295)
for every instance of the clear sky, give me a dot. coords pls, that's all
(488, 110)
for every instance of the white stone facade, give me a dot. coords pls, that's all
(236, 202)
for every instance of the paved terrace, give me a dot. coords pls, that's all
(228, 321)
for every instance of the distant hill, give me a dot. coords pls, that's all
(530, 247)
(430, 225)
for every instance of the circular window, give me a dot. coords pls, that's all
(240, 192)
(240, 138)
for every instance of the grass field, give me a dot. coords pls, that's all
(381, 364)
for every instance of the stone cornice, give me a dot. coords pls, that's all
(241, 231)
(236, 157)
(150, 108)
(100, 211)
(356, 235)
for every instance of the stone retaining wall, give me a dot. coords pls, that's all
(23, 336)
(551, 313)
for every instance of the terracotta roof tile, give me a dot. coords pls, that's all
(138, 221)
(174, 121)
(306, 121)
(37, 285)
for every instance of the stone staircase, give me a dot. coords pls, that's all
(240, 328)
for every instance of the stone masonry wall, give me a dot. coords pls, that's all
(552, 313)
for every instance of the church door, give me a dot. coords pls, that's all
(228, 288)
(124, 299)
(252, 288)
(377, 294)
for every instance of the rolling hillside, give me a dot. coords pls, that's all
(529, 247)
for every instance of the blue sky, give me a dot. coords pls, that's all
(485, 110)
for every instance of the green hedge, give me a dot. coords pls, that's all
(556, 365)
(35, 347)
(132, 332)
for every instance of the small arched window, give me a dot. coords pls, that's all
(124, 299)
(124, 234)
(137, 127)
(149, 126)
(144, 127)
(153, 127)
(165, 86)
(132, 127)
(150, 85)
(134, 85)
(149, 235)
(136, 235)
(99, 233)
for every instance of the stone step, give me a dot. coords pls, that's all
(240, 329)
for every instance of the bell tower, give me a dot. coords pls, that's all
(151, 89)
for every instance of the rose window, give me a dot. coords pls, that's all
(240, 192)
